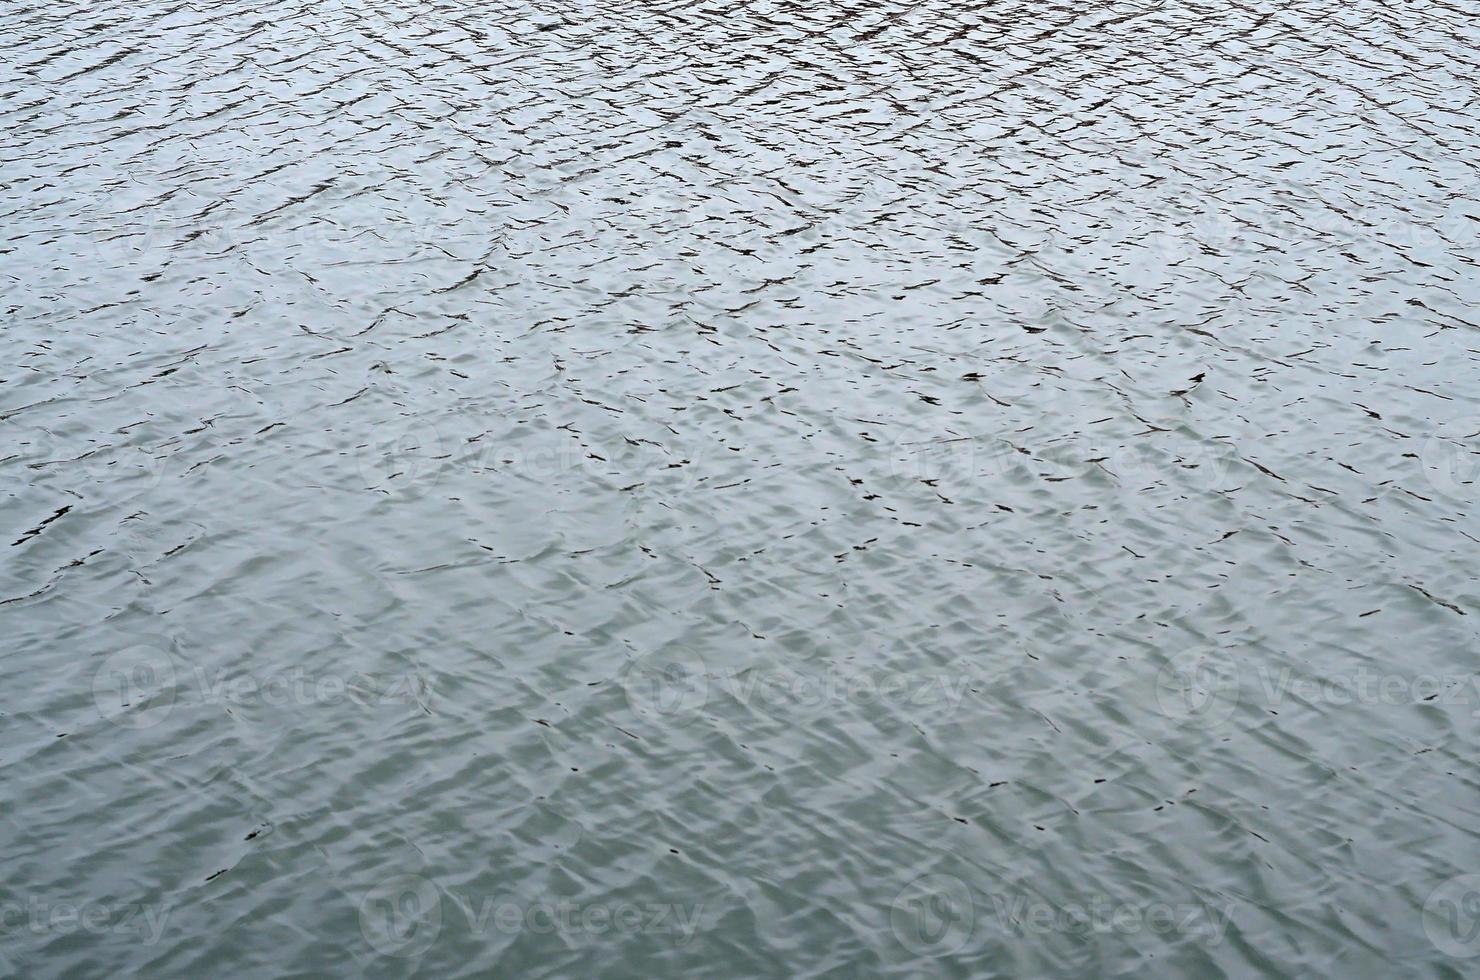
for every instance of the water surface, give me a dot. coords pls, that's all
(765, 489)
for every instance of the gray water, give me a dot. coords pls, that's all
(755, 489)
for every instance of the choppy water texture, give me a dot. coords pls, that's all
(809, 489)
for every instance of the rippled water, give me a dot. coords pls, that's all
(764, 489)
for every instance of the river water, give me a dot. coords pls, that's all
(760, 489)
